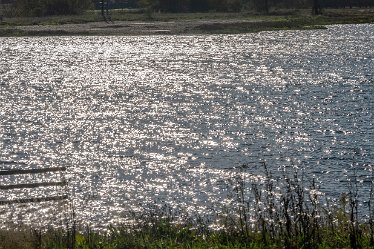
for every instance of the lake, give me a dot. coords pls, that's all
(149, 122)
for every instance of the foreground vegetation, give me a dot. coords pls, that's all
(166, 235)
(264, 213)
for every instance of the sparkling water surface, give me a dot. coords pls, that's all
(148, 121)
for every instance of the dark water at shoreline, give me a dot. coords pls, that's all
(143, 121)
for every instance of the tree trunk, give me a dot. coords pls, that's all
(1, 10)
(262, 6)
(266, 6)
(316, 9)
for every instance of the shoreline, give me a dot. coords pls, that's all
(180, 24)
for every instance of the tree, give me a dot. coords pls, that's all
(149, 7)
(199, 5)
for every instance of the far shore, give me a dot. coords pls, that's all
(127, 23)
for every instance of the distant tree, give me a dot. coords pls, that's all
(191, 5)
(165, 5)
(226, 5)
(174, 5)
(199, 5)
(234, 5)
(261, 6)
(149, 7)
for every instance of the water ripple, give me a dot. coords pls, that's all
(142, 121)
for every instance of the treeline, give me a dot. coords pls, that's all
(346, 3)
(222, 5)
(50, 7)
(239, 5)
(68, 7)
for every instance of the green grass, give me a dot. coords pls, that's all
(164, 234)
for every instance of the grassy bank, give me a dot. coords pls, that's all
(166, 235)
(287, 213)
(191, 23)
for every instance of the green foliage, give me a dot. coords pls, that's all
(51, 7)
